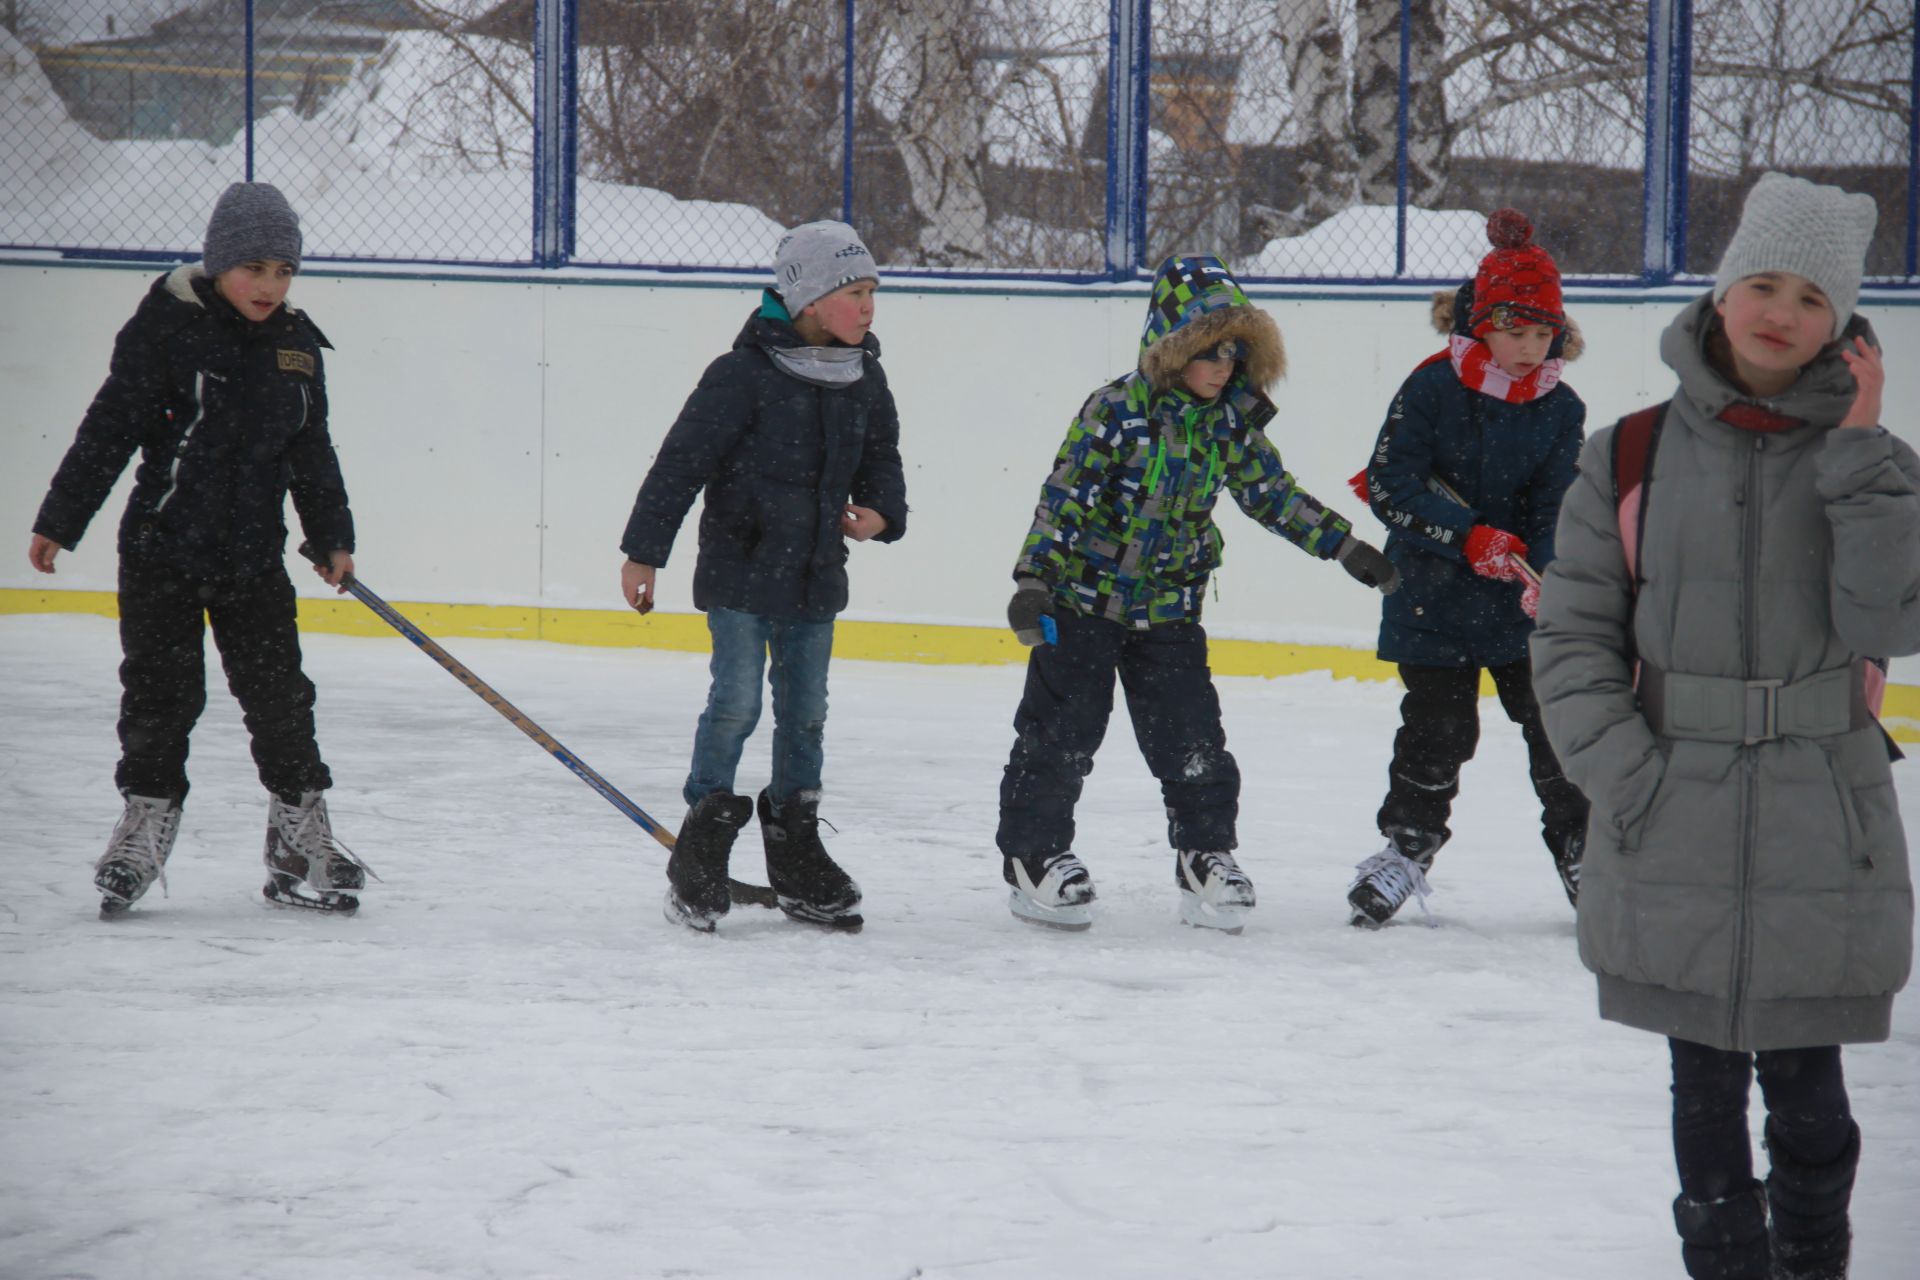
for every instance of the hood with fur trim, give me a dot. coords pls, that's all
(1451, 307)
(1196, 303)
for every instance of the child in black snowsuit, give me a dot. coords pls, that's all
(1468, 471)
(221, 387)
(794, 439)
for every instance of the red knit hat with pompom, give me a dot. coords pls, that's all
(1517, 283)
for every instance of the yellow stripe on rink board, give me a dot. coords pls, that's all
(872, 641)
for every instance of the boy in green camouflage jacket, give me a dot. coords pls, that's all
(1112, 576)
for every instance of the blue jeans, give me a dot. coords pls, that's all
(741, 642)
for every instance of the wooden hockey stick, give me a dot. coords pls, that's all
(746, 894)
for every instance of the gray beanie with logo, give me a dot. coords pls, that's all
(814, 259)
(251, 222)
(1790, 224)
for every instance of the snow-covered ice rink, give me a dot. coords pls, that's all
(508, 1065)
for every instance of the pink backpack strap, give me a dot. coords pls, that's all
(1634, 440)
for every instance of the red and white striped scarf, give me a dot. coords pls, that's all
(1474, 364)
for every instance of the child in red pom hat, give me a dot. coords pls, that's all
(1468, 472)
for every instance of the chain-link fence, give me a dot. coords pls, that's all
(1333, 140)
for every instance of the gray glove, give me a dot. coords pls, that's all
(1368, 565)
(1030, 610)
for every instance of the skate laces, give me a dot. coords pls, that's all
(1063, 879)
(141, 840)
(1394, 876)
(313, 836)
(1218, 866)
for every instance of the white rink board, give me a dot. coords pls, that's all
(494, 431)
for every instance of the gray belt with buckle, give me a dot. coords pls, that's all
(1722, 709)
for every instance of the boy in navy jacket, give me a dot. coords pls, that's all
(794, 439)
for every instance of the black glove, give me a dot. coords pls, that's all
(1368, 565)
(1032, 602)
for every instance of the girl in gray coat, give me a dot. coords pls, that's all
(1745, 889)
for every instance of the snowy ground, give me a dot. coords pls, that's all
(509, 1066)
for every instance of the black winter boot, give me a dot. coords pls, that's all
(1811, 1235)
(810, 885)
(697, 872)
(1724, 1239)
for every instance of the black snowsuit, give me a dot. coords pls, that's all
(229, 416)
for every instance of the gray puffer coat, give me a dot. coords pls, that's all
(1741, 895)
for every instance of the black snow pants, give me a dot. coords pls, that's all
(1731, 1228)
(1063, 717)
(1439, 729)
(163, 621)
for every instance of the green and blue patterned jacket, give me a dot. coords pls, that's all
(1124, 529)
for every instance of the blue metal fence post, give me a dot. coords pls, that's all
(1913, 160)
(247, 81)
(1400, 140)
(1129, 64)
(1669, 113)
(846, 121)
(555, 135)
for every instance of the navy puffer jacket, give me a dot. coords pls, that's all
(778, 458)
(1511, 464)
(229, 415)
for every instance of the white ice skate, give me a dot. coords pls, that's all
(1061, 897)
(136, 853)
(1214, 892)
(301, 849)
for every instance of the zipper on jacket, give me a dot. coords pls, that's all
(1750, 762)
(186, 436)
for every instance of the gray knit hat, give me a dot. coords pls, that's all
(815, 258)
(1790, 224)
(251, 222)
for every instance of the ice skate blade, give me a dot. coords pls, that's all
(1071, 918)
(1225, 919)
(678, 912)
(280, 893)
(802, 913)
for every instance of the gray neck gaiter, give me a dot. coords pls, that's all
(821, 366)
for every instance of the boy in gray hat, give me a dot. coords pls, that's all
(1702, 665)
(794, 439)
(220, 386)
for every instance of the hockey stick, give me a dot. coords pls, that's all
(741, 892)
(1519, 563)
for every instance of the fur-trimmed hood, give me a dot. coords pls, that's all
(1450, 308)
(1197, 303)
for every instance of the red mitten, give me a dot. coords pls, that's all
(1490, 551)
(1359, 486)
(1530, 599)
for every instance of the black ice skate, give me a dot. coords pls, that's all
(136, 853)
(1214, 892)
(697, 894)
(306, 866)
(810, 885)
(1053, 890)
(1383, 883)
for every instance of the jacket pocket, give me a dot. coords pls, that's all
(1631, 824)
